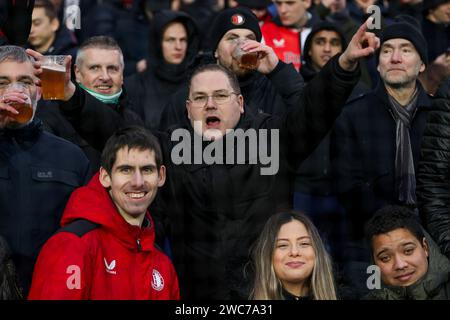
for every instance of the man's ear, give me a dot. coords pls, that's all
(38, 93)
(425, 246)
(241, 103)
(54, 24)
(104, 178)
(307, 3)
(76, 70)
(161, 176)
(188, 110)
(422, 67)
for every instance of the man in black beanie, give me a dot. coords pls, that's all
(376, 140)
(213, 212)
(261, 87)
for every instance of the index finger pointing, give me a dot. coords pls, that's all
(363, 28)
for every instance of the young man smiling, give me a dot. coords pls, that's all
(411, 265)
(105, 249)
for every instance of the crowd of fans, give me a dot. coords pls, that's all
(362, 150)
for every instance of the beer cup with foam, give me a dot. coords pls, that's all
(53, 77)
(246, 60)
(25, 109)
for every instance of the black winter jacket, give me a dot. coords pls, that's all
(433, 187)
(79, 109)
(214, 212)
(65, 43)
(38, 172)
(363, 154)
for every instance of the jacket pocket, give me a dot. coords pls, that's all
(46, 174)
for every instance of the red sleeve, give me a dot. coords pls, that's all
(174, 288)
(62, 270)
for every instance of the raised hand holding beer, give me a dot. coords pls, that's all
(53, 77)
(49, 71)
(266, 60)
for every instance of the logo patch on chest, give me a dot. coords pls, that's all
(157, 280)
(110, 266)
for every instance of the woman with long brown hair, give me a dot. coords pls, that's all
(291, 262)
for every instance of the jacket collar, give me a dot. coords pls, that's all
(28, 133)
(423, 100)
(94, 203)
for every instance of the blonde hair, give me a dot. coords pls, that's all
(266, 284)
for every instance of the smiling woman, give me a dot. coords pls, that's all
(291, 262)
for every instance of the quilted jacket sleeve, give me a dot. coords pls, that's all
(433, 182)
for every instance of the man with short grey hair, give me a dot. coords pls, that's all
(99, 78)
(38, 171)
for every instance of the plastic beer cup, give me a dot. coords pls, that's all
(53, 77)
(246, 60)
(25, 109)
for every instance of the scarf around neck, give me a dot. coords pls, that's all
(405, 179)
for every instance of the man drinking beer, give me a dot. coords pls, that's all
(99, 77)
(38, 171)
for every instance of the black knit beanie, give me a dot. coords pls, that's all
(233, 18)
(254, 3)
(407, 27)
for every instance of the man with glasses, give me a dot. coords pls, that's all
(222, 199)
(217, 198)
(271, 89)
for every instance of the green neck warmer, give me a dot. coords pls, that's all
(105, 98)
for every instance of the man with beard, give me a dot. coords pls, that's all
(376, 140)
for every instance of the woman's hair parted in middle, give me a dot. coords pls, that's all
(266, 284)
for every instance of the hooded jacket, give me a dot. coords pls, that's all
(220, 208)
(215, 211)
(150, 91)
(111, 261)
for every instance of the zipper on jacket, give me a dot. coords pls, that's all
(139, 247)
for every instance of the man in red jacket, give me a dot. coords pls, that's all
(105, 249)
(287, 33)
